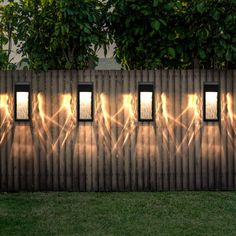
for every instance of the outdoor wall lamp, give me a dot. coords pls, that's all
(211, 102)
(22, 102)
(145, 102)
(85, 102)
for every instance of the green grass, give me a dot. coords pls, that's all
(175, 213)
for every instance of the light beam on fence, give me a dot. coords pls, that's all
(6, 119)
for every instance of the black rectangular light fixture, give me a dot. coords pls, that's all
(146, 102)
(211, 102)
(85, 102)
(22, 102)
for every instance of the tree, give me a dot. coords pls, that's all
(6, 37)
(211, 31)
(64, 34)
(159, 34)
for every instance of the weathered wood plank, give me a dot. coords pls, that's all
(224, 183)
(126, 99)
(230, 138)
(133, 135)
(178, 138)
(75, 161)
(191, 156)
(158, 131)
(197, 127)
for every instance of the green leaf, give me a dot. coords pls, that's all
(216, 15)
(171, 51)
(163, 22)
(201, 7)
(202, 54)
(228, 55)
(156, 2)
(156, 25)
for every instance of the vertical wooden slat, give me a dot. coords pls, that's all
(55, 130)
(3, 146)
(197, 126)
(217, 142)
(49, 113)
(165, 135)
(204, 143)
(191, 156)
(230, 155)
(146, 126)
(210, 142)
(223, 161)
(35, 127)
(10, 171)
(152, 140)
(133, 136)
(233, 120)
(172, 143)
(30, 157)
(42, 148)
(184, 133)
(127, 130)
(94, 135)
(70, 125)
(158, 131)
(21, 128)
(178, 116)
(139, 144)
(61, 131)
(16, 147)
(120, 135)
(75, 159)
(88, 141)
(101, 144)
(113, 131)
(81, 146)
(108, 102)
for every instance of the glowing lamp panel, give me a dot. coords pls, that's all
(211, 105)
(85, 106)
(22, 106)
(146, 105)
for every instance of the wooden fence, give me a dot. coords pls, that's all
(116, 152)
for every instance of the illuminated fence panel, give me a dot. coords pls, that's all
(86, 130)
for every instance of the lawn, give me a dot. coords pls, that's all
(171, 213)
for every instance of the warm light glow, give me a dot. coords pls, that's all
(146, 105)
(127, 101)
(22, 106)
(66, 103)
(193, 103)
(164, 107)
(45, 121)
(40, 107)
(85, 106)
(4, 104)
(5, 122)
(211, 105)
(230, 107)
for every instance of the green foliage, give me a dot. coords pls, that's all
(158, 34)
(6, 34)
(63, 34)
(211, 31)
